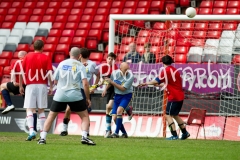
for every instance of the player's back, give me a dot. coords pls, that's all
(91, 69)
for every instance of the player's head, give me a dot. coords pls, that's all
(38, 45)
(132, 47)
(84, 53)
(22, 54)
(167, 60)
(124, 67)
(110, 58)
(74, 52)
(147, 47)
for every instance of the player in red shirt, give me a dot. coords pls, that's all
(171, 79)
(36, 66)
(106, 71)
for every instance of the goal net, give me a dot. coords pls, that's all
(206, 51)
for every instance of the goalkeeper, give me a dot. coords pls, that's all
(171, 78)
(90, 70)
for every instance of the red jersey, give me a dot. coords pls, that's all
(174, 86)
(33, 63)
(105, 69)
(16, 69)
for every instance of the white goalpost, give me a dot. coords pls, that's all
(212, 86)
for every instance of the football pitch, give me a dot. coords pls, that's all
(14, 146)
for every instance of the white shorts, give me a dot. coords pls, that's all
(36, 96)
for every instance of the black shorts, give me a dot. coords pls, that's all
(77, 106)
(173, 108)
(14, 89)
(110, 94)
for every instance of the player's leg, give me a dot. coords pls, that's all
(180, 122)
(65, 122)
(55, 108)
(129, 111)
(169, 119)
(109, 105)
(81, 109)
(5, 89)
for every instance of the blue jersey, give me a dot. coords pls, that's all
(125, 80)
(69, 75)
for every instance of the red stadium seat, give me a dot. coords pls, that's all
(64, 11)
(123, 29)
(67, 4)
(58, 25)
(120, 57)
(214, 34)
(116, 48)
(175, 25)
(144, 33)
(48, 18)
(206, 4)
(173, 34)
(123, 49)
(171, 50)
(157, 41)
(92, 4)
(215, 26)
(97, 25)
(185, 34)
(62, 48)
(68, 33)
(61, 18)
(3, 11)
(199, 34)
(76, 11)
(140, 49)
(219, 11)
(6, 55)
(4, 62)
(130, 4)
(232, 11)
(17, 4)
(55, 33)
(99, 18)
(142, 40)
(52, 40)
(55, 5)
(39, 38)
(86, 18)
(171, 42)
(89, 11)
(127, 40)
(13, 11)
(71, 25)
(153, 11)
(91, 44)
(1, 71)
(115, 11)
(159, 26)
(139, 23)
(105, 36)
(180, 58)
(49, 47)
(117, 4)
(95, 33)
(59, 58)
(181, 50)
(13, 61)
(79, 4)
(1, 18)
(236, 59)
(6, 70)
(198, 42)
(96, 56)
(31, 49)
(233, 4)
(103, 11)
(78, 42)
(81, 33)
(49, 54)
(26, 11)
(143, 4)
(35, 18)
(29, 4)
(42, 4)
(171, 6)
(10, 18)
(105, 4)
(183, 42)
(51, 11)
(220, 4)
(187, 26)
(129, 11)
(229, 26)
(39, 11)
(84, 25)
(184, 3)
(201, 26)
(205, 11)
(8, 25)
(23, 47)
(5, 79)
(155, 49)
(65, 40)
(141, 11)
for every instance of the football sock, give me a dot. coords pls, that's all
(84, 134)
(35, 122)
(65, 124)
(30, 121)
(127, 109)
(42, 120)
(43, 135)
(122, 129)
(108, 122)
(7, 97)
(183, 130)
(118, 123)
(174, 133)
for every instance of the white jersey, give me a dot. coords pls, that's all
(90, 70)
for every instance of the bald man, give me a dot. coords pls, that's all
(12, 86)
(122, 80)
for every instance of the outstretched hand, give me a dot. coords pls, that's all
(142, 84)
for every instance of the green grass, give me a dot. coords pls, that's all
(14, 147)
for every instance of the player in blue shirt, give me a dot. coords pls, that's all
(122, 80)
(91, 70)
(68, 76)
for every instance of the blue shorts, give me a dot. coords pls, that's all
(173, 108)
(121, 100)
